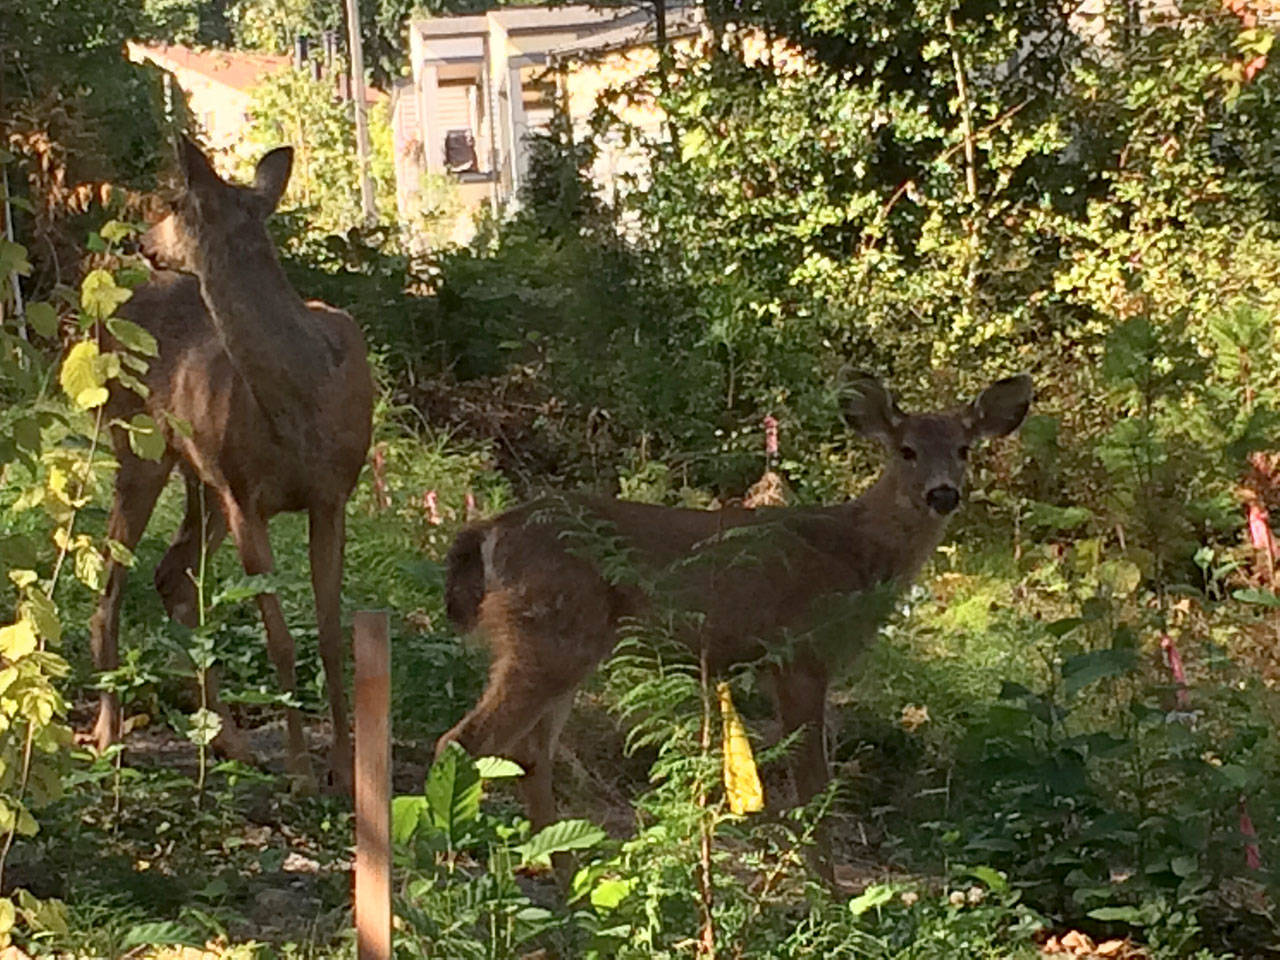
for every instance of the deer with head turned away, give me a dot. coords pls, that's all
(550, 612)
(278, 398)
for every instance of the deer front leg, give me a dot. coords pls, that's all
(801, 691)
(327, 540)
(138, 485)
(250, 533)
(537, 755)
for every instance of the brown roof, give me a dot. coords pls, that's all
(237, 69)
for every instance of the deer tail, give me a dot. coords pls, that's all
(464, 578)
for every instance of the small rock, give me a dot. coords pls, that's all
(297, 863)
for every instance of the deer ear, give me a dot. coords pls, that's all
(868, 407)
(196, 169)
(272, 176)
(1001, 407)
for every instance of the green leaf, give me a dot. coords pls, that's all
(179, 426)
(42, 916)
(81, 376)
(26, 434)
(693, 143)
(1117, 914)
(132, 277)
(119, 552)
(876, 895)
(994, 880)
(145, 439)
(1060, 628)
(8, 914)
(43, 615)
(23, 578)
(498, 768)
(165, 933)
(1121, 576)
(13, 259)
(204, 726)
(246, 587)
(17, 640)
(1263, 598)
(43, 318)
(453, 791)
(89, 567)
(1184, 866)
(609, 893)
(406, 817)
(1086, 668)
(136, 338)
(100, 295)
(113, 231)
(560, 837)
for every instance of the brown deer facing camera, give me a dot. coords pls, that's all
(550, 613)
(278, 396)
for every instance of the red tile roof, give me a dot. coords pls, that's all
(238, 69)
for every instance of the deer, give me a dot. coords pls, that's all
(550, 612)
(265, 402)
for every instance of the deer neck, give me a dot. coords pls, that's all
(267, 330)
(901, 533)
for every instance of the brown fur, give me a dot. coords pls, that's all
(758, 581)
(278, 396)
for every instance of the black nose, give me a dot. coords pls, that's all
(943, 499)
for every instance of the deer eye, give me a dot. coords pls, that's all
(964, 453)
(908, 453)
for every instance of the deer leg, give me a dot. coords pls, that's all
(202, 529)
(250, 532)
(138, 485)
(512, 705)
(203, 526)
(537, 755)
(801, 691)
(327, 539)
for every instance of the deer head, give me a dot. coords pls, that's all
(211, 215)
(928, 453)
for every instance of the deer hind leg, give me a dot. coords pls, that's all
(203, 526)
(801, 691)
(254, 545)
(138, 485)
(327, 539)
(203, 529)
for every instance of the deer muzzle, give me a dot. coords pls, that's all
(942, 500)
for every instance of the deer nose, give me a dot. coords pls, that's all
(943, 499)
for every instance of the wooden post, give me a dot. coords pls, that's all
(373, 786)
(362, 110)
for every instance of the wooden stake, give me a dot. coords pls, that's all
(373, 786)
(361, 105)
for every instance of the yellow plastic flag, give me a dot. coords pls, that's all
(741, 782)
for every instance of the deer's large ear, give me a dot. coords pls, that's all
(868, 407)
(1001, 408)
(272, 176)
(196, 168)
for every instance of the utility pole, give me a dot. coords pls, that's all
(362, 117)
